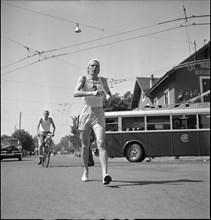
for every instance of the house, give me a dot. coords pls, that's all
(142, 85)
(187, 80)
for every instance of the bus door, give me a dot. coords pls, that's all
(113, 138)
(204, 134)
(133, 130)
(185, 136)
(158, 136)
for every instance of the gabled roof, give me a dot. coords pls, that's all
(144, 82)
(141, 84)
(170, 72)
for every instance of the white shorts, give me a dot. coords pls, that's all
(91, 118)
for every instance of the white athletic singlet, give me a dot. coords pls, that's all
(93, 85)
(45, 125)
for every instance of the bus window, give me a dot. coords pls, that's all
(158, 122)
(184, 121)
(204, 121)
(111, 124)
(176, 123)
(132, 123)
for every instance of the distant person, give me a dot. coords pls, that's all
(43, 128)
(36, 151)
(94, 90)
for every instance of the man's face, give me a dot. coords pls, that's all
(94, 69)
(46, 114)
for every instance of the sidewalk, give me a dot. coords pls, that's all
(182, 158)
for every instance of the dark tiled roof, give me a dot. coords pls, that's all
(144, 82)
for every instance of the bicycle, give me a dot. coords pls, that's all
(46, 151)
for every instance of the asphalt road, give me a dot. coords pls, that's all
(158, 189)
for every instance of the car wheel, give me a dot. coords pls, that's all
(134, 152)
(20, 158)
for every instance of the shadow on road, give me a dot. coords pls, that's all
(141, 183)
(62, 166)
(14, 160)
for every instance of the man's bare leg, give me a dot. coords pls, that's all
(85, 141)
(100, 137)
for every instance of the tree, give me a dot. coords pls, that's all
(127, 99)
(75, 134)
(35, 139)
(25, 139)
(119, 103)
(64, 145)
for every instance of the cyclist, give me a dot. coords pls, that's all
(43, 128)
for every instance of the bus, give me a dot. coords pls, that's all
(159, 131)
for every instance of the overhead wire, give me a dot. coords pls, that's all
(102, 38)
(106, 44)
(36, 52)
(111, 82)
(121, 33)
(177, 19)
(55, 17)
(164, 22)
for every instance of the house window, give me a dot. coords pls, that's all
(142, 95)
(204, 87)
(166, 97)
(156, 101)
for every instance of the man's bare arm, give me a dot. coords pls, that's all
(54, 127)
(38, 126)
(105, 85)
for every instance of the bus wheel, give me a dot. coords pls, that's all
(134, 153)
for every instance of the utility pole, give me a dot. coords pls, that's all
(195, 45)
(195, 50)
(20, 121)
(186, 22)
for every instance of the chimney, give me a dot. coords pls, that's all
(151, 81)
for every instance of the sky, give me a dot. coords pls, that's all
(42, 56)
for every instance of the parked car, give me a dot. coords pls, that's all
(11, 148)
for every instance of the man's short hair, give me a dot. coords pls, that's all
(46, 111)
(92, 61)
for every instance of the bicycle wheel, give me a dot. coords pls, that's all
(43, 161)
(43, 156)
(47, 157)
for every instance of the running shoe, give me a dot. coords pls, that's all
(107, 179)
(84, 178)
